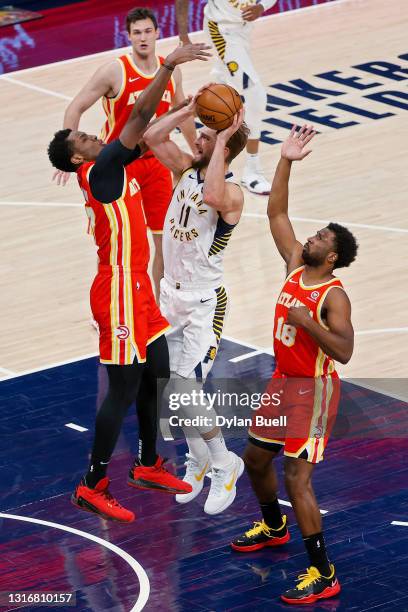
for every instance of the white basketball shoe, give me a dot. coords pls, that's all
(195, 474)
(223, 486)
(255, 182)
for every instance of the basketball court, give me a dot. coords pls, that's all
(344, 67)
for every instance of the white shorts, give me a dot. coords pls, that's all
(234, 66)
(197, 319)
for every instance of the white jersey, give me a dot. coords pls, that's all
(226, 11)
(230, 11)
(194, 235)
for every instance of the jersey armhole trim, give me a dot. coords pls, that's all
(320, 305)
(114, 99)
(291, 274)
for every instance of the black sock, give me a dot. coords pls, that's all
(155, 377)
(316, 550)
(147, 452)
(272, 515)
(96, 471)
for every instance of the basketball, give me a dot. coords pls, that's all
(217, 105)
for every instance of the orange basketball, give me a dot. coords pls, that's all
(217, 105)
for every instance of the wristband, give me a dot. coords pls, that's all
(168, 66)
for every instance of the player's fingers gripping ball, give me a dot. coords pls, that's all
(217, 105)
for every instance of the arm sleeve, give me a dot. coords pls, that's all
(107, 175)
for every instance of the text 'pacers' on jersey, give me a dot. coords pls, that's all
(194, 235)
(296, 352)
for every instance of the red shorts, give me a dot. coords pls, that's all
(125, 309)
(310, 407)
(156, 185)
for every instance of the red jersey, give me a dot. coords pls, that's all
(119, 228)
(134, 81)
(296, 352)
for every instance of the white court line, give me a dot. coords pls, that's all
(283, 502)
(402, 523)
(55, 94)
(50, 366)
(7, 372)
(383, 228)
(257, 350)
(169, 39)
(136, 567)
(385, 330)
(246, 356)
(249, 215)
(77, 427)
(46, 204)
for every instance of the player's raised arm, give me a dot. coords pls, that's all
(229, 142)
(147, 102)
(157, 135)
(99, 85)
(188, 126)
(293, 149)
(182, 7)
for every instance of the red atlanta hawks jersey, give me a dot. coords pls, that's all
(134, 81)
(296, 352)
(119, 228)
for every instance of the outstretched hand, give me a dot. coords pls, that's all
(226, 134)
(188, 53)
(293, 147)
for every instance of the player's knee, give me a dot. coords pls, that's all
(255, 461)
(297, 480)
(255, 105)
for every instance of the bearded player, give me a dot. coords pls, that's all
(205, 208)
(131, 341)
(312, 330)
(119, 83)
(228, 24)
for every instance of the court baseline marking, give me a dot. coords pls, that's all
(256, 350)
(401, 523)
(136, 567)
(6, 75)
(383, 228)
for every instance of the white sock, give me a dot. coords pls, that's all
(196, 445)
(252, 162)
(220, 456)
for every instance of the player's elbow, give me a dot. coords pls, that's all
(344, 356)
(151, 137)
(211, 199)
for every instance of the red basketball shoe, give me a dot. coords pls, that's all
(156, 477)
(100, 501)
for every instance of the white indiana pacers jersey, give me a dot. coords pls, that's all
(194, 235)
(226, 11)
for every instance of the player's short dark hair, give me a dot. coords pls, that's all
(237, 142)
(345, 243)
(60, 151)
(137, 14)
